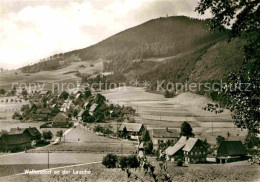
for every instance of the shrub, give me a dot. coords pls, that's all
(129, 162)
(110, 160)
(179, 162)
(71, 124)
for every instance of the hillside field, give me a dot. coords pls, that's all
(155, 111)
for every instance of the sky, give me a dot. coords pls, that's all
(31, 30)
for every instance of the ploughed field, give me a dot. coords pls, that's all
(155, 111)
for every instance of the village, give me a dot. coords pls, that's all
(87, 111)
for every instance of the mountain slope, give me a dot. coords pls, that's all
(155, 38)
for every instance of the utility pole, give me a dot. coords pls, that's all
(212, 127)
(48, 160)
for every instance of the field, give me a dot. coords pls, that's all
(155, 111)
(46, 79)
(80, 140)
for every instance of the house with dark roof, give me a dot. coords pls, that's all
(43, 114)
(61, 120)
(14, 142)
(132, 128)
(230, 151)
(191, 150)
(33, 133)
(194, 151)
(160, 136)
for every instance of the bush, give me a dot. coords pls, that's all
(110, 160)
(179, 162)
(71, 124)
(129, 162)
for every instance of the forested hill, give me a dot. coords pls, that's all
(160, 37)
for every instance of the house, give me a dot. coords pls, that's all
(78, 96)
(230, 151)
(132, 128)
(194, 151)
(14, 142)
(190, 150)
(86, 105)
(61, 120)
(33, 133)
(55, 111)
(43, 114)
(175, 152)
(79, 117)
(159, 136)
(45, 92)
(92, 109)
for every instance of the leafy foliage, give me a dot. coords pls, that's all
(245, 16)
(186, 130)
(219, 139)
(110, 160)
(47, 135)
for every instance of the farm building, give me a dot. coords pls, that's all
(194, 151)
(132, 128)
(190, 150)
(61, 120)
(230, 151)
(14, 142)
(163, 136)
(175, 152)
(33, 133)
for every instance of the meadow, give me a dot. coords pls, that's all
(155, 111)
(237, 172)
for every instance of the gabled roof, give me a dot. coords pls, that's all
(33, 131)
(93, 108)
(178, 146)
(231, 148)
(132, 127)
(60, 117)
(78, 95)
(17, 130)
(165, 133)
(44, 92)
(14, 139)
(81, 112)
(190, 144)
(86, 104)
(78, 107)
(46, 111)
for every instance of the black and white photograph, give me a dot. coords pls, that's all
(129, 90)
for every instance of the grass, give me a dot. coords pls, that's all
(239, 172)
